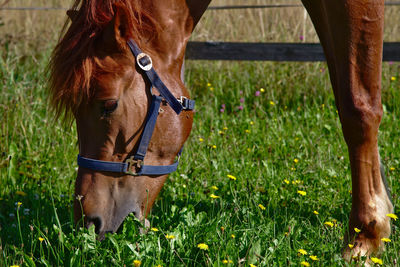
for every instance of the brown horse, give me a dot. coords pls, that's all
(95, 78)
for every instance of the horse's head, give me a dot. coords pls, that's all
(94, 76)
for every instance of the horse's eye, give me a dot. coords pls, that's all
(109, 106)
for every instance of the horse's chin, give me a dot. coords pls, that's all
(113, 229)
(116, 225)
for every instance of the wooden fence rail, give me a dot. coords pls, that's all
(255, 51)
(271, 51)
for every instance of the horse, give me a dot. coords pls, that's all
(117, 71)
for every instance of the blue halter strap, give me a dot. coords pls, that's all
(134, 165)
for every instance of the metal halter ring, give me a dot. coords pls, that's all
(182, 99)
(146, 67)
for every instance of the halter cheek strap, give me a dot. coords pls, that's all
(134, 165)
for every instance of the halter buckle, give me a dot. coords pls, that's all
(144, 61)
(133, 166)
(182, 99)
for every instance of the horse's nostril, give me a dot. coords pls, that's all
(96, 221)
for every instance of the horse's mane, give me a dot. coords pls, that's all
(73, 63)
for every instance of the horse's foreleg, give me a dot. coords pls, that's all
(351, 33)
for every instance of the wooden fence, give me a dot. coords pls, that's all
(256, 51)
(271, 51)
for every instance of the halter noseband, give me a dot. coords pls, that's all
(134, 165)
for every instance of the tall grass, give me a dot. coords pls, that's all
(33, 31)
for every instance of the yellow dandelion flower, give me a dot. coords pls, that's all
(214, 196)
(214, 146)
(169, 236)
(231, 177)
(314, 258)
(315, 212)
(286, 181)
(376, 260)
(247, 131)
(201, 139)
(296, 160)
(137, 263)
(252, 265)
(392, 168)
(351, 246)
(385, 239)
(222, 228)
(304, 263)
(330, 224)
(261, 206)
(214, 187)
(252, 123)
(20, 193)
(227, 261)
(19, 203)
(202, 246)
(303, 193)
(393, 216)
(262, 90)
(14, 266)
(272, 103)
(233, 236)
(225, 128)
(302, 251)
(393, 78)
(292, 169)
(41, 239)
(154, 229)
(208, 84)
(356, 230)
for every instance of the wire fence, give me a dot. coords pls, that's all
(227, 7)
(250, 51)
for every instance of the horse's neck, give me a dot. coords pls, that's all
(177, 19)
(185, 12)
(174, 20)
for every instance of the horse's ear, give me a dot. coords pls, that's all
(72, 14)
(117, 32)
(197, 9)
(121, 24)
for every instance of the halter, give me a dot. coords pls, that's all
(134, 165)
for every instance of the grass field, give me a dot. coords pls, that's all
(272, 126)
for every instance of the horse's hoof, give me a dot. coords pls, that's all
(367, 228)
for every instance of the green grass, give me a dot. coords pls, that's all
(295, 118)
